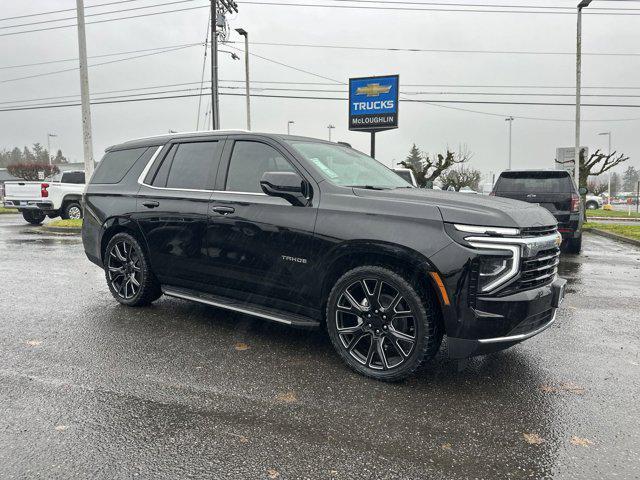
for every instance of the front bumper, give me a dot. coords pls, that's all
(501, 322)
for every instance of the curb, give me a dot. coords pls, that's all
(64, 230)
(614, 236)
(615, 219)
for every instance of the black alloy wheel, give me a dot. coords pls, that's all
(129, 277)
(380, 325)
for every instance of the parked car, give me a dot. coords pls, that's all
(57, 196)
(468, 190)
(593, 202)
(554, 190)
(304, 232)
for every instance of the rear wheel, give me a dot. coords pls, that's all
(380, 325)
(574, 245)
(592, 205)
(72, 210)
(34, 217)
(128, 272)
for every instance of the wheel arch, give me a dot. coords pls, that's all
(71, 197)
(115, 225)
(413, 266)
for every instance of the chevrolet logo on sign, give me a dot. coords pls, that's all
(373, 89)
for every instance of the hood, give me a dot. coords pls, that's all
(470, 209)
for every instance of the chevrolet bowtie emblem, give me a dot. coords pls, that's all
(373, 89)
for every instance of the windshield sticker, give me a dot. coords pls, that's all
(326, 170)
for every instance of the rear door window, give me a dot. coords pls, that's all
(115, 165)
(193, 165)
(534, 182)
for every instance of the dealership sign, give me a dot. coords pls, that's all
(373, 103)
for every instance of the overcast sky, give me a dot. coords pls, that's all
(432, 128)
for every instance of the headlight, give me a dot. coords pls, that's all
(496, 270)
(491, 271)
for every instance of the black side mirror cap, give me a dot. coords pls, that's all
(287, 185)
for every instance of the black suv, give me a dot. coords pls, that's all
(307, 232)
(554, 190)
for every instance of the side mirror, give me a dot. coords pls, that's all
(582, 191)
(287, 185)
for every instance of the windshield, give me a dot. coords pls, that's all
(347, 167)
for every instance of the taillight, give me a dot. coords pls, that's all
(44, 193)
(575, 203)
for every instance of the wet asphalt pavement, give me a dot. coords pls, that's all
(91, 389)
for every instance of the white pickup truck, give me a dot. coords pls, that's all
(57, 196)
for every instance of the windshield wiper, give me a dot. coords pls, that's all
(369, 187)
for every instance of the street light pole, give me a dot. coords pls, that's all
(244, 33)
(330, 127)
(84, 92)
(608, 134)
(510, 120)
(215, 114)
(576, 158)
(49, 135)
(289, 123)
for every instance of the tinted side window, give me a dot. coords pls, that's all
(249, 161)
(115, 165)
(73, 177)
(192, 165)
(161, 175)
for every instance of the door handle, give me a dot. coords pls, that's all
(223, 210)
(151, 204)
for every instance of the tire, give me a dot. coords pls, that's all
(72, 210)
(357, 323)
(574, 245)
(34, 217)
(592, 205)
(125, 264)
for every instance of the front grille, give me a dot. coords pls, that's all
(538, 231)
(539, 270)
(533, 322)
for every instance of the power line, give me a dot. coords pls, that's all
(186, 9)
(40, 22)
(38, 75)
(114, 54)
(434, 50)
(298, 97)
(51, 12)
(415, 9)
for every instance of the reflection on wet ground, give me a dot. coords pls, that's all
(90, 388)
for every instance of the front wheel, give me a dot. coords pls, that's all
(128, 272)
(380, 325)
(34, 217)
(592, 205)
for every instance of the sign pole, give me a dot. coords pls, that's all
(373, 145)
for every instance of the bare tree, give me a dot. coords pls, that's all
(597, 164)
(461, 176)
(429, 168)
(597, 186)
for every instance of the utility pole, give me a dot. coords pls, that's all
(226, 6)
(576, 158)
(330, 127)
(49, 135)
(244, 33)
(289, 123)
(510, 120)
(84, 93)
(608, 134)
(215, 115)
